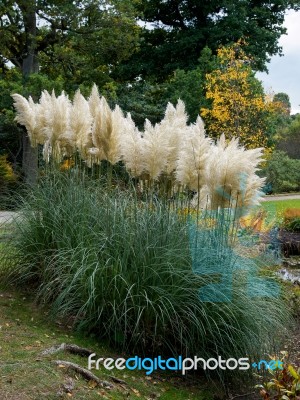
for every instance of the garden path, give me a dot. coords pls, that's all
(6, 216)
(275, 197)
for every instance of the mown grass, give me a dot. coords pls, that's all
(276, 208)
(271, 212)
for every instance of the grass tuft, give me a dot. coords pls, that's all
(126, 271)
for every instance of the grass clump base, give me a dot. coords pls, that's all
(123, 269)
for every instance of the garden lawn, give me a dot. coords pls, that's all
(276, 208)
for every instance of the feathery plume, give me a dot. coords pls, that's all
(41, 109)
(94, 101)
(250, 193)
(101, 131)
(174, 126)
(26, 115)
(81, 124)
(230, 169)
(60, 140)
(131, 143)
(113, 153)
(156, 150)
(192, 162)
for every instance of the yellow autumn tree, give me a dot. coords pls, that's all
(6, 173)
(239, 107)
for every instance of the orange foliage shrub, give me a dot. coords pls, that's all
(291, 213)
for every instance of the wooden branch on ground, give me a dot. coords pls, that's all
(85, 373)
(74, 349)
(70, 348)
(117, 380)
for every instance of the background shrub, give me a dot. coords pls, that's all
(283, 172)
(8, 182)
(291, 221)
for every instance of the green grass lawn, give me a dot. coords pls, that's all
(280, 205)
(276, 208)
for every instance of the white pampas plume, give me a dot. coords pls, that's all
(41, 109)
(170, 112)
(222, 173)
(230, 170)
(94, 101)
(113, 153)
(60, 140)
(254, 158)
(192, 161)
(101, 131)
(106, 131)
(250, 193)
(81, 124)
(94, 152)
(132, 148)
(174, 126)
(156, 150)
(38, 136)
(175, 116)
(26, 115)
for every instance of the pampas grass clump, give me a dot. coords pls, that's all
(124, 270)
(123, 262)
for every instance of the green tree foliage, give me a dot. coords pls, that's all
(279, 121)
(81, 41)
(290, 139)
(144, 99)
(190, 85)
(284, 100)
(147, 99)
(177, 31)
(283, 172)
(10, 132)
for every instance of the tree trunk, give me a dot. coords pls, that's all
(30, 65)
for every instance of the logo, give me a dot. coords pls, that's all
(179, 364)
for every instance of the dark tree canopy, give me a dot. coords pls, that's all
(177, 31)
(71, 44)
(80, 41)
(70, 38)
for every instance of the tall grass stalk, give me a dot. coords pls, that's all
(125, 271)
